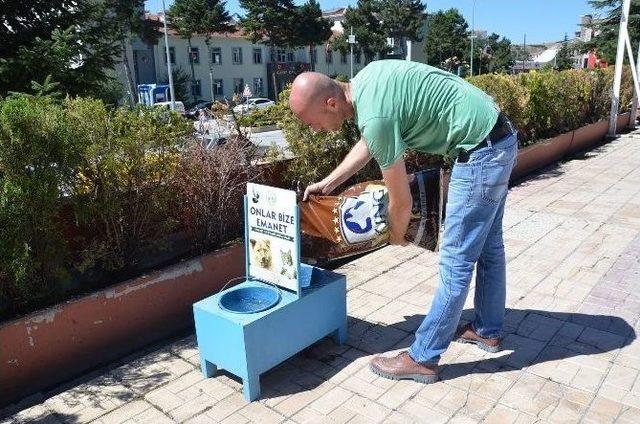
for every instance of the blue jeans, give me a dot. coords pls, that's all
(472, 234)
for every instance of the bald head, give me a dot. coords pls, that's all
(311, 89)
(319, 101)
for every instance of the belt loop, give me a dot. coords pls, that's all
(489, 141)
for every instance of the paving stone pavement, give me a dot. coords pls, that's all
(572, 235)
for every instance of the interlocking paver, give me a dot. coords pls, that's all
(571, 354)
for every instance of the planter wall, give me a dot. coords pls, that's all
(546, 152)
(62, 342)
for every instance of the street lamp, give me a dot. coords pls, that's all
(473, 31)
(166, 45)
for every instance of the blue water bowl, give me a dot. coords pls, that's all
(249, 300)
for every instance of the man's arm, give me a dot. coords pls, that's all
(396, 181)
(357, 158)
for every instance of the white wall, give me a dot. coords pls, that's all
(227, 71)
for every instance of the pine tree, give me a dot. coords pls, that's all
(273, 23)
(402, 20)
(312, 28)
(606, 41)
(76, 42)
(364, 19)
(446, 37)
(563, 57)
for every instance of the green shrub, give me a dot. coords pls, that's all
(511, 96)
(260, 117)
(37, 163)
(124, 192)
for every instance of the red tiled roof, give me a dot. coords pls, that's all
(158, 17)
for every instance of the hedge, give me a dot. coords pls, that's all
(88, 193)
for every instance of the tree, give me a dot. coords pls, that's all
(366, 27)
(129, 16)
(607, 28)
(272, 23)
(74, 41)
(493, 54)
(563, 57)
(184, 16)
(402, 20)
(313, 29)
(446, 37)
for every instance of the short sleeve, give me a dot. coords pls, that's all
(384, 140)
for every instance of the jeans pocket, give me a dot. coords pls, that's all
(495, 181)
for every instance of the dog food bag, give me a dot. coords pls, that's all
(355, 221)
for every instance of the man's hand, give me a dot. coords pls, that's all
(317, 188)
(352, 163)
(399, 211)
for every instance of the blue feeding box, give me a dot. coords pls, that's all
(280, 308)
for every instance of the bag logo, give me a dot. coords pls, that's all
(364, 218)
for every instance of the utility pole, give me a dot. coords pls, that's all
(473, 31)
(352, 41)
(166, 45)
(623, 40)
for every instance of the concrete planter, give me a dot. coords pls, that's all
(541, 154)
(588, 136)
(62, 342)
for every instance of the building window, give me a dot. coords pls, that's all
(237, 55)
(196, 88)
(328, 56)
(238, 85)
(282, 56)
(343, 58)
(257, 55)
(172, 55)
(217, 87)
(194, 55)
(216, 55)
(290, 57)
(257, 86)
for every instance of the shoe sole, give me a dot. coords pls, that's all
(419, 378)
(481, 345)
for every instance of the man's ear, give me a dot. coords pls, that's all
(331, 102)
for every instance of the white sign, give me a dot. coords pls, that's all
(273, 232)
(247, 91)
(352, 39)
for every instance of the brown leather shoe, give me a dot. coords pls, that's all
(403, 367)
(466, 334)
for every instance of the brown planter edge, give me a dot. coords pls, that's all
(546, 152)
(59, 343)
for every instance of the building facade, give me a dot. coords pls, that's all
(236, 62)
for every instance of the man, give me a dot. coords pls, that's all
(400, 105)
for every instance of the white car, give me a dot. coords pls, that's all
(167, 105)
(253, 104)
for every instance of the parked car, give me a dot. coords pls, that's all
(193, 112)
(253, 104)
(179, 106)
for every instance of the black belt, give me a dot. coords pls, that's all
(500, 130)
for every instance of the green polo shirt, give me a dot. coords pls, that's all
(403, 105)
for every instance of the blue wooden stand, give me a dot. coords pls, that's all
(247, 345)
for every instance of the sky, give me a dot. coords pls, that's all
(540, 20)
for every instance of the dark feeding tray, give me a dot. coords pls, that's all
(249, 300)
